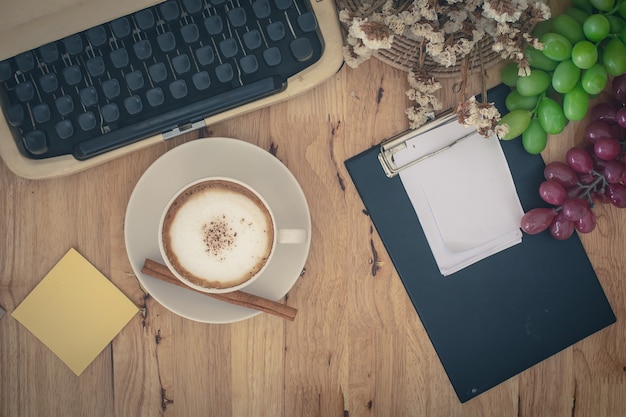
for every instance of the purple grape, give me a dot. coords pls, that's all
(574, 191)
(579, 160)
(620, 117)
(552, 192)
(561, 228)
(607, 149)
(617, 195)
(586, 223)
(574, 209)
(604, 112)
(601, 196)
(619, 88)
(586, 179)
(599, 129)
(560, 172)
(537, 220)
(614, 171)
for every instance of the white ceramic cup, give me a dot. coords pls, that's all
(218, 234)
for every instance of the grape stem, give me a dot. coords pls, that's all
(597, 185)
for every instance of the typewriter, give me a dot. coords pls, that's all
(82, 83)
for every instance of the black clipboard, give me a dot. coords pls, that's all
(504, 314)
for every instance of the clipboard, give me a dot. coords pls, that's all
(503, 314)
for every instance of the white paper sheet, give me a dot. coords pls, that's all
(465, 197)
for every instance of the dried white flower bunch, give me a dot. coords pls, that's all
(448, 33)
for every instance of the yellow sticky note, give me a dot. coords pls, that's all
(75, 311)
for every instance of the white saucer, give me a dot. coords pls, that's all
(216, 157)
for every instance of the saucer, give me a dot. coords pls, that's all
(225, 157)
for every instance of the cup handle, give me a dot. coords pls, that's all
(291, 236)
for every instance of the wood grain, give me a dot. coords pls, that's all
(357, 347)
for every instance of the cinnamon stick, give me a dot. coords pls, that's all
(240, 298)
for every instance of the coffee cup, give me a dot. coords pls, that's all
(218, 234)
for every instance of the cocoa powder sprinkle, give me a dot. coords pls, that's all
(218, 237)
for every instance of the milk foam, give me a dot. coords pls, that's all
(218, 236)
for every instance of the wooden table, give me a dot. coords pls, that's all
(356, 347)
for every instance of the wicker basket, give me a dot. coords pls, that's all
(404, 55)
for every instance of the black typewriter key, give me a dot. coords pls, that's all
(282, 4)
(15, 114)
(181, 64)
(276, 31)
(134, 80)
(88, 96)
(111, 88)
(144, 19)
(73, 44)
(87, 121)
(49, 82)
(178, 88)
(272, 56)
(301, 49)
(252, 39)
(261, 8)
(190, 33)
(169, 11)
(121, 27)
(201, 80)
(72, 75)
(25, 61)
(213, 25)
(97, 36)
(49, 52)
(25, 91)
(307, 22)
(229, 48)
(155, 96)
(41, 113)
(205, 55)
(95, 66)
(166, 41)
(35, 142)
(249, 64)
(133, 104)
(158, 72)
(110, 112)
(237, 17)
(119, 57)
(192, 6)
(143, 49)
(217, 2)
(64, 105)
(64, 128)
(5, 71)
(224, 72)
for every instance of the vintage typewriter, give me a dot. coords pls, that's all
(126, 79)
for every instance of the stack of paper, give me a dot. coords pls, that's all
(464, 197)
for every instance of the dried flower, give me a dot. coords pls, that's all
(448, 33)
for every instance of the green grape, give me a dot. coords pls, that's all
(534, 138)
(556, 46)
(578, 14)
(616, 23)
(533, 84)
(622, 34)
(565, 76)
(584, 54)
(509, 74)
(575, 103)
(551, 116)
(583, 5)
(621, 9)
(542, 27)
(517, 121)
(536, 59)
(594, 79)
(515, 101)
(596, 27)
(567, 26)
(603, 5)
(614, 57)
